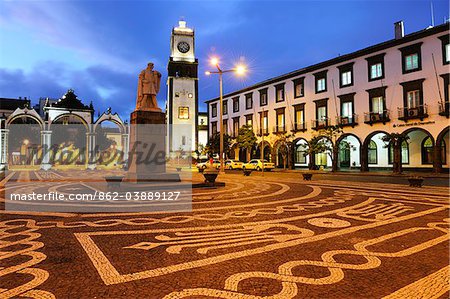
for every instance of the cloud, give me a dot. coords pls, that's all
(232, 16)
(70, 26)
(96, 49)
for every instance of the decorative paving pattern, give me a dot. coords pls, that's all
(19, 257)
(271, 237)
(329, 222)
(336, 270)
(434, 285)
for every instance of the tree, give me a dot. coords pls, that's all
(325, 141)
(101, 139)
(284, 147)
(246, 139)
(395, 140)
(333, 133)
(213, 146)
(316, 145)
(179, 155)
(200, 150)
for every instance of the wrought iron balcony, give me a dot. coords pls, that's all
(350, 120)
(444, 108)
(317, 124)
(264, 131)
(376, 117)
(299, 127)
(279, 129)
(406, 113)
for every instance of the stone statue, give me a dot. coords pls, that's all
(148, 88)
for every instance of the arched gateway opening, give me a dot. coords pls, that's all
(24, 142)
(110, 141)
(301, 158)
(323, 159)
(349, 147)
(267, 151)
(418, 149)
(21, 141)
(69, 141)
(375, 152)
(441, 157)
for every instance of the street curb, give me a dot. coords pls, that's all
(404, 175)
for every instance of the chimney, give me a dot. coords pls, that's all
(399, 30)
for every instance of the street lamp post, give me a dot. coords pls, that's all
(240, 69)
(262, 140)
(222, 164)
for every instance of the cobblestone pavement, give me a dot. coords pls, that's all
(259, 237)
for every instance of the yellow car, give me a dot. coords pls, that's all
(204, 165)
(257, 164)
(233, 164)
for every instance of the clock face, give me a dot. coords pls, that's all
(183, 47)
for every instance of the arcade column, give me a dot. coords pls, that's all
(364, 158)
(125, 148)
(4, 149)
(46, 141)
(91, 155)
(437, 158)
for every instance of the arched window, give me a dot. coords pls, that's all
(321, 159)
(300, 152)
(344, 154)
(372, 153)
(427, 151)
(404, 153)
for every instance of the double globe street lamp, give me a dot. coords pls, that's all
(238, 70)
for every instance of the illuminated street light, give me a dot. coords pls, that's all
(239, 70)
(214, 61)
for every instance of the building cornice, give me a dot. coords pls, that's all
(340, 59)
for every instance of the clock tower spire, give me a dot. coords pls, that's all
(182, 95)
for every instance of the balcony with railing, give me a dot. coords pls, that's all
(318, 124)
(299, 127)
(377, 117)
(202, 127)
(444, 108)
(419, 112)
(349, 120)
(279, 129)
(262, 131)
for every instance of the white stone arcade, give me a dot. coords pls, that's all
(69, 107)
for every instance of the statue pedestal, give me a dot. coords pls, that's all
(147, 117)
(147, 156)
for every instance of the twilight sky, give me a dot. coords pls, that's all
(99, 47)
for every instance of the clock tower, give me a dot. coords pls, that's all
(182, 95)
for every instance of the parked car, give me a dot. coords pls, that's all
(204, 165)
(233, 164)
(257, 164)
